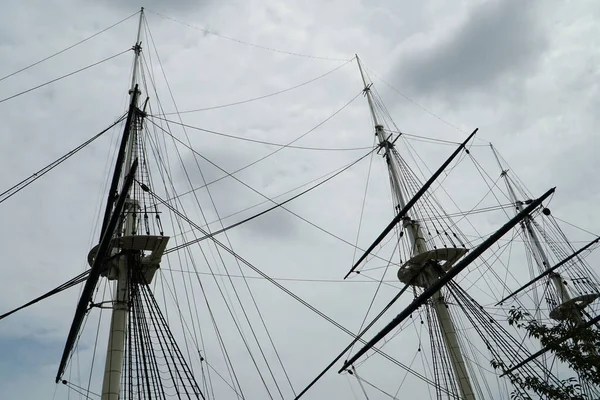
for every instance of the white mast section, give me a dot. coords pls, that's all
(118, 325)
(421, 252)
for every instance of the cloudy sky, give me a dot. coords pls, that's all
(525, 73)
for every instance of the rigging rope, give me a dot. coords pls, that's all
(63, 76)
(289, 146)
(36, 175)
(275, 196)
(206, 31)
(285, 279)
(287, 291)
(231, 370)
(232, 313)
(151, 340)
(269, 154)
(89, 383)
(70, 283)
(575, 226)
(415, 103)
(235, 103)
(67, 48)
(241, 304)
(259, 193)
(364, 201)
(277, 205)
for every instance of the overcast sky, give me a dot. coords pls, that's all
(525, 73)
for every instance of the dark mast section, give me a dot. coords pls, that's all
(143, 361)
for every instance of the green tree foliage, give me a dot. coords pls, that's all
(581, 352)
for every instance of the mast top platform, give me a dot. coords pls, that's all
(421, 269)
(122, 246)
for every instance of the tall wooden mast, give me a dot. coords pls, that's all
(419, 270)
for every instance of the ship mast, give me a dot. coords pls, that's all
(121, 271)
(569, 308)
(422, 270)
(565, 309)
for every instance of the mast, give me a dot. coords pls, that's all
(538, 252)
(569, 308)
(121, 270)
(423, 268)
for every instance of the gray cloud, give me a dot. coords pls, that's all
(497, 40)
